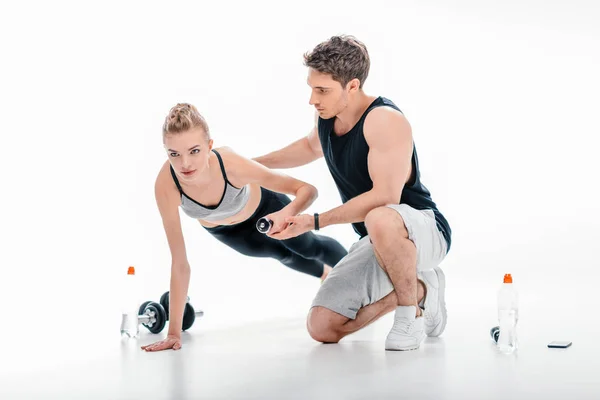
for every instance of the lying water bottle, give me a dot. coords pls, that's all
(508, 316)
(129, 305)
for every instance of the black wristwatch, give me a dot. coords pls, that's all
(316, 221)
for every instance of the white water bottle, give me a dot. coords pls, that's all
(508, 315)
(129, 305)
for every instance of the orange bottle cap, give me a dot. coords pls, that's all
(131, 271)
(507, 278)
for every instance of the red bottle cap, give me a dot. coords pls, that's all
(131, 271)
(507, 278)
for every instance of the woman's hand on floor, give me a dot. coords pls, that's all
(170, 342)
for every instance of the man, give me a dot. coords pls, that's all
(368, 147)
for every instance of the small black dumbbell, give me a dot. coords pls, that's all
(152, 315)
(495, 333)
(189, 314)
(263, 225)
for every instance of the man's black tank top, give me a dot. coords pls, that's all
(346, 157)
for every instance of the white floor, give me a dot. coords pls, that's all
(277, 359)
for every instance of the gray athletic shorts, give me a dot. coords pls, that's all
(358, 280)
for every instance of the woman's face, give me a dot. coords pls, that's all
(188, 153)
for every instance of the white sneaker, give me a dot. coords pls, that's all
(435, 303)
(408, 331)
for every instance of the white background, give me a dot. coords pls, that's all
(502, 98)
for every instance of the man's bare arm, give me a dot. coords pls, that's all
(301, 152)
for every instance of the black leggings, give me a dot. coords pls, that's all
(305, 253)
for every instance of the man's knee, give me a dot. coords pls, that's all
(382, 221)
(324, 325)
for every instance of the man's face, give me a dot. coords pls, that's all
(327, 95)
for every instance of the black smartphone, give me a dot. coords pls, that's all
(559, 344)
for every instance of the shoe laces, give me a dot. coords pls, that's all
(428, 317)
(403, 325)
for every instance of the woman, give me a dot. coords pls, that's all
(228, 193)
